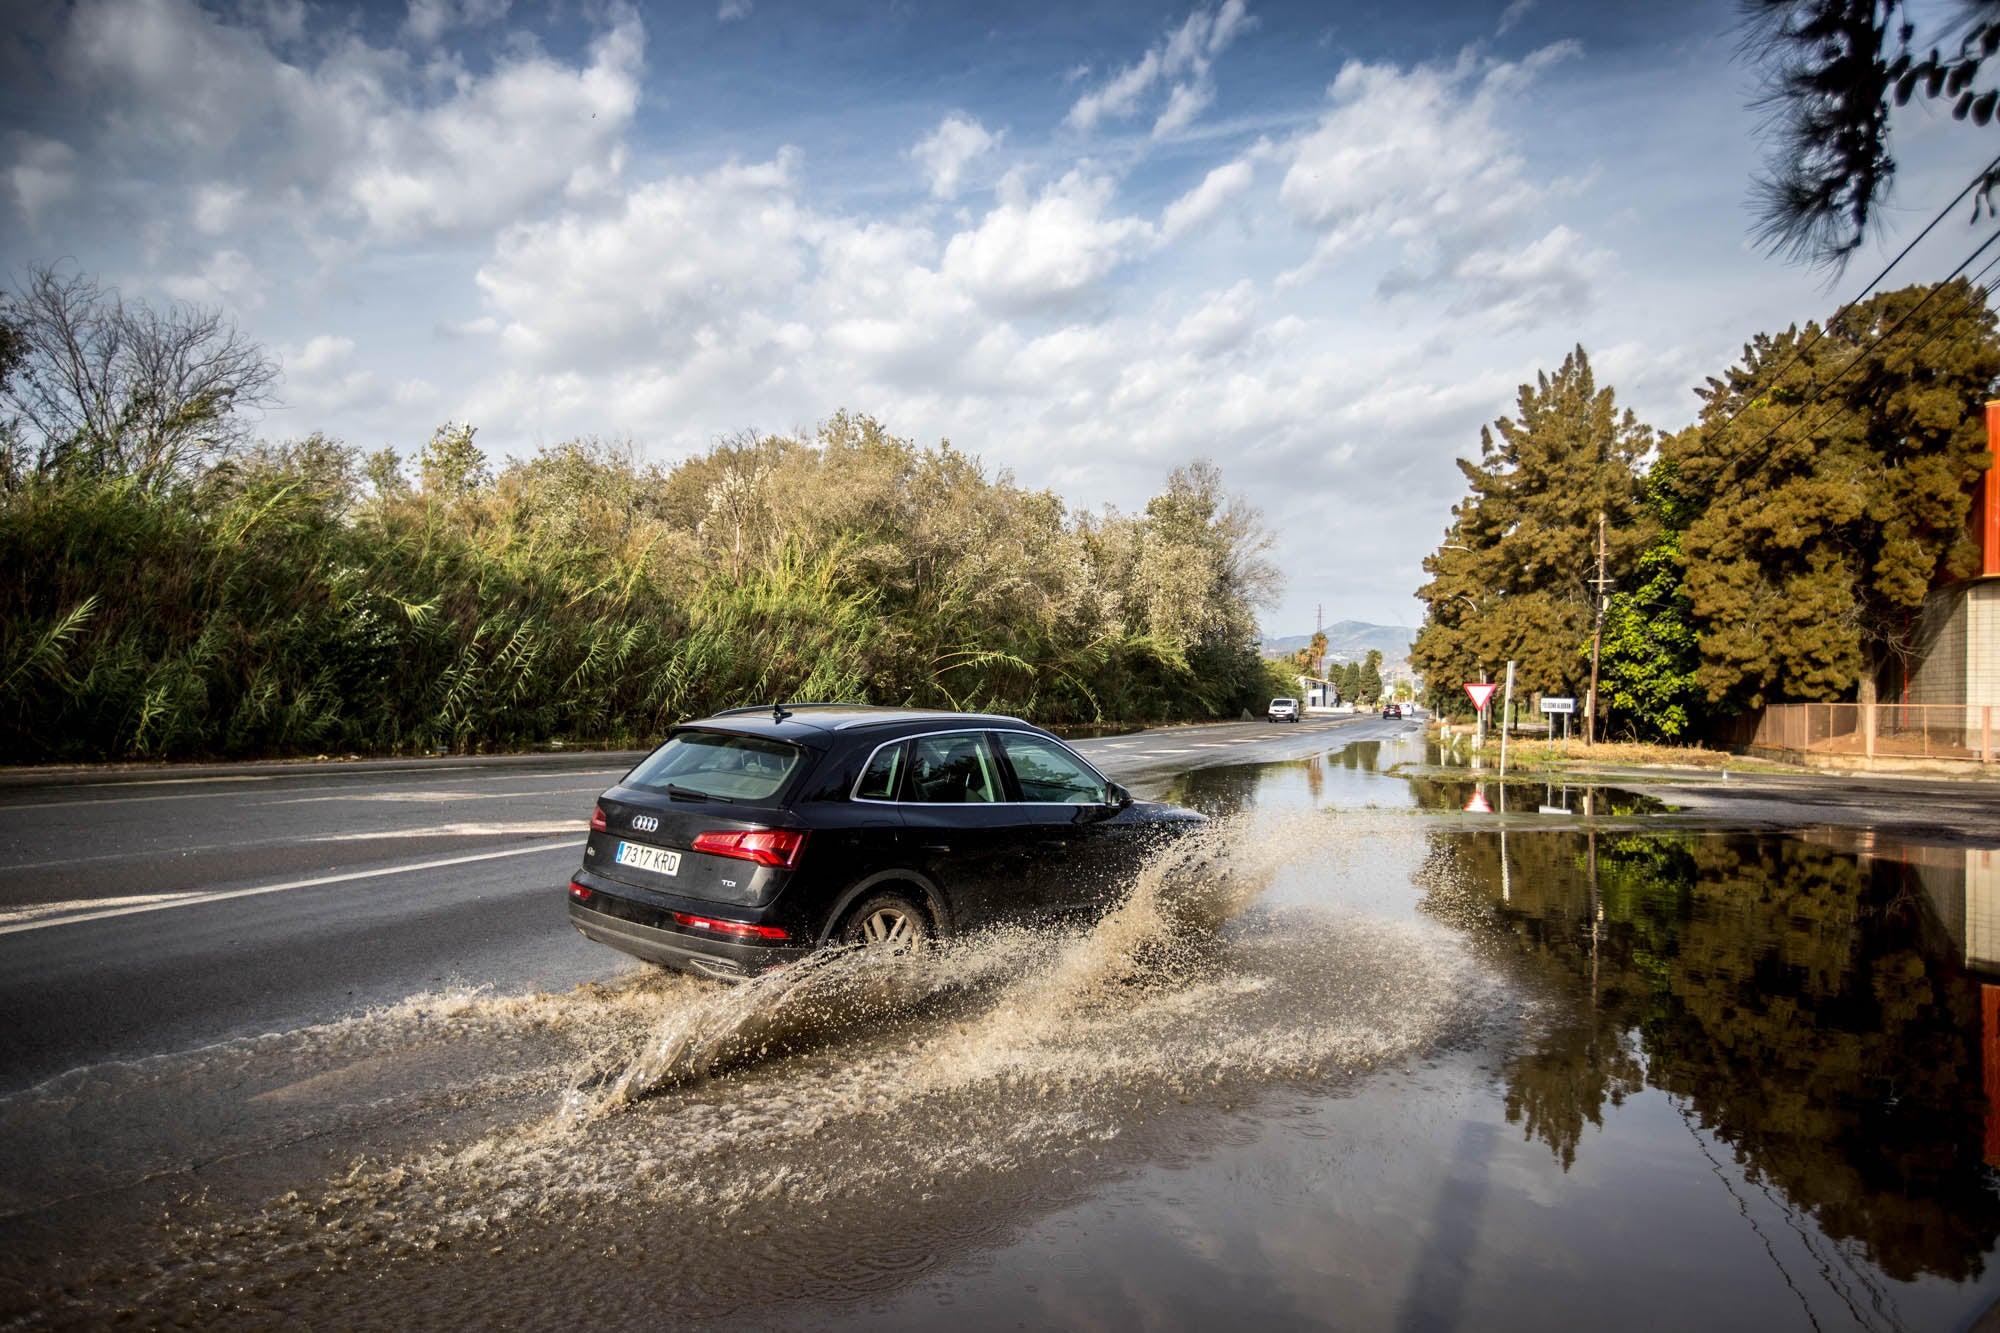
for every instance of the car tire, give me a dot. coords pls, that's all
(886, 921)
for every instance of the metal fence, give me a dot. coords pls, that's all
(1892, 731)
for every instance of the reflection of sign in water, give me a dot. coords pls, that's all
(1477, 805)
(1480, 693)
(1558, 705)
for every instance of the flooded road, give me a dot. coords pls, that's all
(1363, 1061)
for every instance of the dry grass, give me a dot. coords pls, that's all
(1540, 754)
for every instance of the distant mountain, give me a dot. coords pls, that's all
(1350, 640)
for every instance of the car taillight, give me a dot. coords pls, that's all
(740, 929)
(578, 892)
(597, 818)
(767, 847)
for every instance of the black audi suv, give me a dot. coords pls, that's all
(753, 837)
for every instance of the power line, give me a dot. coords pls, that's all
(1949, 326)
(1856, 359)
(1820, 332)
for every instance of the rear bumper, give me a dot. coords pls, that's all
(705, 955)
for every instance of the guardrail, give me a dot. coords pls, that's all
(1890, 731)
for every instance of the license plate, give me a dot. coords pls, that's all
(649, 858)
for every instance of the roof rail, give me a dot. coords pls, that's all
(787, 706)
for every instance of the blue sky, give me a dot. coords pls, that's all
(1320, 244)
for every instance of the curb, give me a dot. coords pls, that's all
(79, 775)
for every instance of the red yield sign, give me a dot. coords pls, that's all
(1480, 694)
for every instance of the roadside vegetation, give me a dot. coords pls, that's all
(1778, 550)
(1527, 754)
(170, 587)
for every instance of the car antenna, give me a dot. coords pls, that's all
(779, 712)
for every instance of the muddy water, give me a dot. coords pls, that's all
(1350, 1065)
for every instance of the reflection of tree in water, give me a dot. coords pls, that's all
(1360, 756)
(1778, 990)
(1229, 789)
(1575, 1067)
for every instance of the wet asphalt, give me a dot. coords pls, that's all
(159, 909)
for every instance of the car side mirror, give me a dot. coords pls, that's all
(1117, 797)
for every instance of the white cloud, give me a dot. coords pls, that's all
(226, 279)
(1201, 204)
(1118, 98)
(674, 267)
(1186, 55)
(1023, 254)
(215, 207)
(732, 10)
(945, 151)
(431, 19)
(322, 378)
(1223, 322)
(362, 134)
(43, 174)
(533, 127)
(1509, 289)
(1416, 156)
(1187, 101)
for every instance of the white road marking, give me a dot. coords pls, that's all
(82, 910)
(531, 828)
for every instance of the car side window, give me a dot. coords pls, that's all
(952, 769)
(884, 772)
(1049, 773)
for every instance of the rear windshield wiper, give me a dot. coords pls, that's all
(680, 793)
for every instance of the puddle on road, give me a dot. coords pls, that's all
(1401, 774)
(815, 1135)
(1342, 1067)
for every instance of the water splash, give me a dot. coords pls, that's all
(929, 1088)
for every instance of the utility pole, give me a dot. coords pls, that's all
(1600, 583)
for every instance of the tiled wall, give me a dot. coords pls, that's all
(1982, 643)
(1938, 675)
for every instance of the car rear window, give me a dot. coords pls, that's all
(721, 764)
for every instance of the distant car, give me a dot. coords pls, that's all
(1392, 710)
(1284, 710)
(756, 836)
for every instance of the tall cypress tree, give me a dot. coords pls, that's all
(1512, 577)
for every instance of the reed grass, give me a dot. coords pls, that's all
(280, 605)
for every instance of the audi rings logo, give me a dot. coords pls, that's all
(644, 823)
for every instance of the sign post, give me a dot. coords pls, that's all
(1566, 707)
(1481, 694)
(1506, 724)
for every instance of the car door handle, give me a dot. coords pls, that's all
(937, 846)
